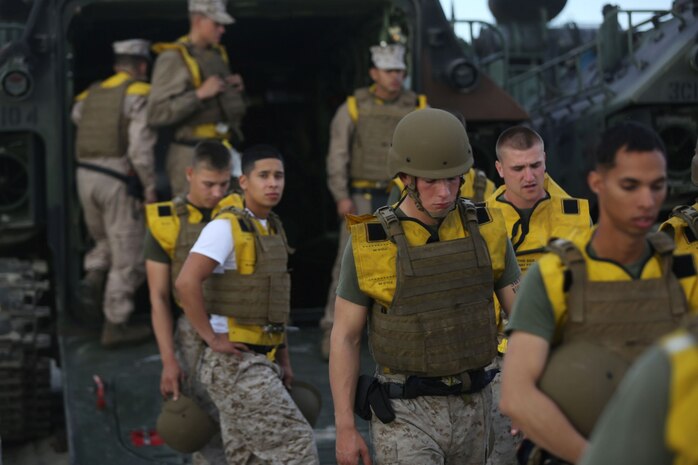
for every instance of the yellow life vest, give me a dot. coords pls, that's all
(227, 106)
(375, 258)
(557, 279)
(557, 216)
(682, 226)
(163, 221)
(246, 243)
(374, 121)
(681, 426)
(103, 127)
(552, 217)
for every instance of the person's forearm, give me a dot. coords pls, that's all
(161, 317)
(344, 373)
(192, 298)
(543, 423)
(283, 358)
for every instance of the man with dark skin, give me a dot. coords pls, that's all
(585, 289)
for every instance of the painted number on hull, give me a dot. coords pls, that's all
(14, 116)
(681, 91)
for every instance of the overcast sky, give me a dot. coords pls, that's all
(583, 12)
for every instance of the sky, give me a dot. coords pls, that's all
(583, 12)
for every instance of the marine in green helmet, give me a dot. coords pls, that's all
(422, 275)
(360, 135)
(620, 287)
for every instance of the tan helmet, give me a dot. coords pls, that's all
(694, 166)
(430, 143)
(308, 399)
(580, 378)
(184, 426)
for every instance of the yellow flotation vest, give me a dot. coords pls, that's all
(375, 121)
(682, 226)
(256, 296)
(103, 128)
(681, 427)
(433, 314)
(598, 300)
(228, 106)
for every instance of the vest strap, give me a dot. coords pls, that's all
(479, 186)
(689, 215)
(468, 214)
(573, 259)
(391, 223)
(664, 246)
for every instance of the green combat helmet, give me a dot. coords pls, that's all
(184, 426)
(308, 399)
(580, 378)
(430, 143)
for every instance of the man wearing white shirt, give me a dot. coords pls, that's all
(235, 291)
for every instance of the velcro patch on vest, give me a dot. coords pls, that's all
(164, 210)
(683, 266)
(570, 206)
(483, 216)
(375, 232)
(688, 233)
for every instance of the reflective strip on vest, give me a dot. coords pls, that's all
(374, 132)
(441, 320)
(259, 298)
(626, 317)
(103, 129)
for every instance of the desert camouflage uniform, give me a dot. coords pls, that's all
(241, 386)
(189, 347)
(427, 427)
(113, 218)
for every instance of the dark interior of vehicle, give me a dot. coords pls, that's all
(299, 61)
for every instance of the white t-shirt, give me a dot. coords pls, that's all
(216, 242)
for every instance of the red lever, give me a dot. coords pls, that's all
(144, 437)
(101, 402)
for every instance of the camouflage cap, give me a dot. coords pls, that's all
(388, 56)
(213, 9)
(135, 47)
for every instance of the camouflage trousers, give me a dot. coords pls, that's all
(505, 445)
(434, 430)
(189, 348)
(260, 423)
(115, 221)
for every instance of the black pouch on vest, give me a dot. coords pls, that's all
(371, 395)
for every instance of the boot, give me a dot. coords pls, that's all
(325, 344)
(91, 296)
(118, 334)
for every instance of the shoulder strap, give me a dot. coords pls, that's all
(391, 224)
(181, 209)
(277, 226)
(469, 217)
(573, 260)
(664, 246)
(353, 108)
(689, 215)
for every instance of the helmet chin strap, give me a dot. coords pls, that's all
(412, 191)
